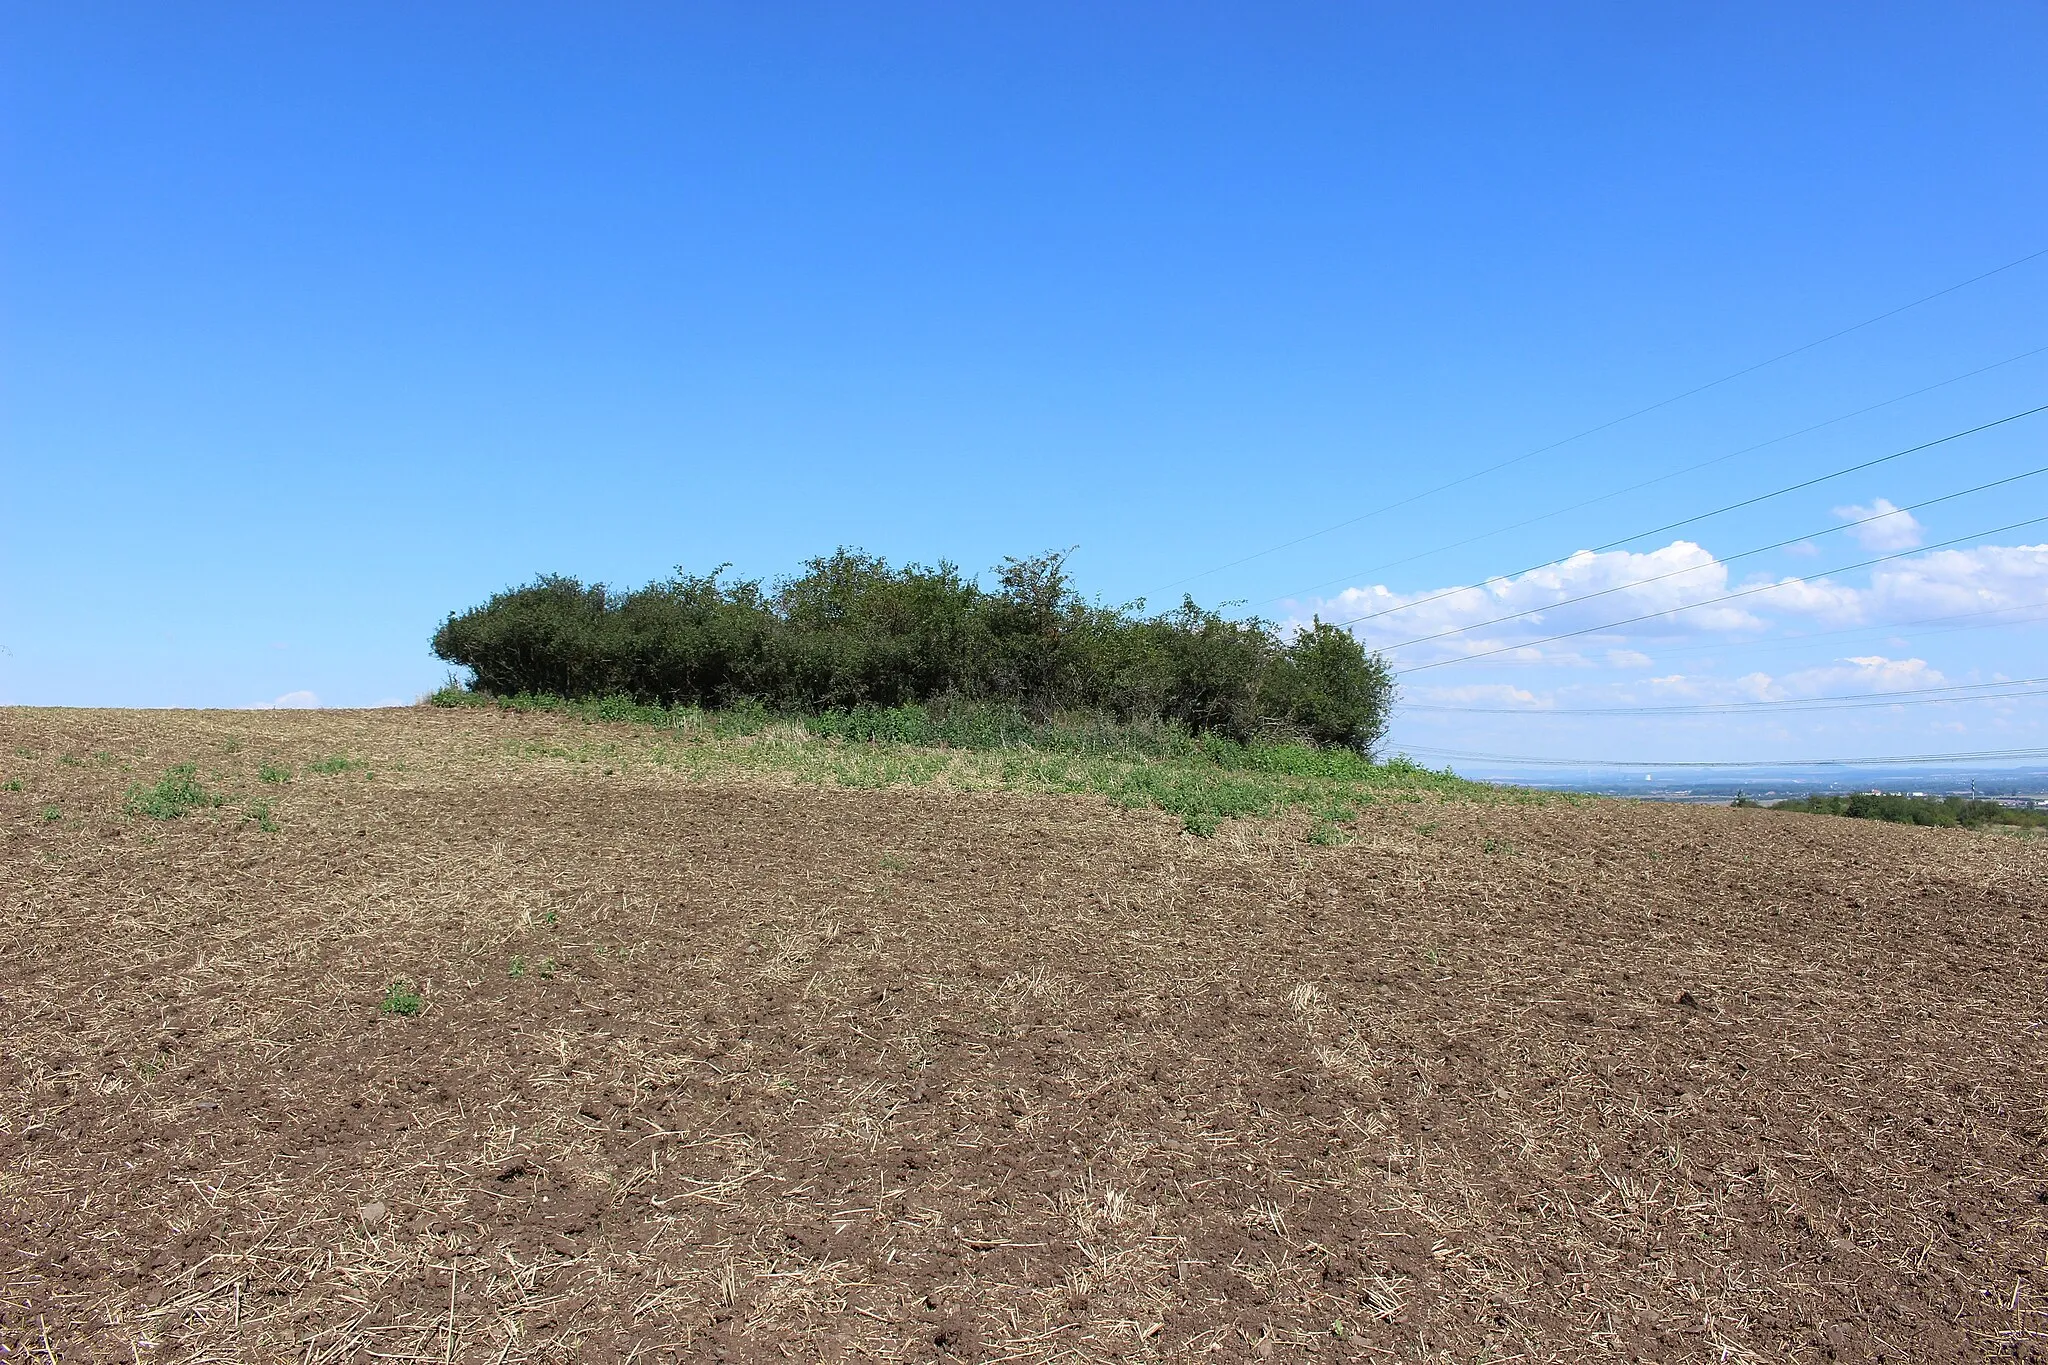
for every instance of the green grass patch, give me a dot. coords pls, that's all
(273, 773)
(1202, 779)
(51, 813)
(334, 764)
(175, 793)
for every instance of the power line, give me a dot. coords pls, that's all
(1695, 568)
(1650, 483)
(1791, 708)
(1917, 696)
(1617, 421)
(1711, 601)
(1978, 756)
(1787, 641)
(1718, 511)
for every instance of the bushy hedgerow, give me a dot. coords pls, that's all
(1945, 811)
(856, 636)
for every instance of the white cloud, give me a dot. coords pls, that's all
(1938, 583)
(1676, 688)
(1988, 577)
(1495, 694)
(290, 701)
(1861, 673)
(1540, 604)
(1884, 527)
(1835, 603)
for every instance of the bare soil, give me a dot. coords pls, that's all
(740, 1069)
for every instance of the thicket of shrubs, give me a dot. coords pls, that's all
(854, 635)
(1947, 811)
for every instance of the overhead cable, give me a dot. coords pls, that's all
(1617, 421)
(1695, 568)
(1978, 756)
(1646, 483)
(1711, 601)
(1910, 696)
(1898, 629)
(1703, 516)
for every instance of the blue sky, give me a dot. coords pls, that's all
(318, 322)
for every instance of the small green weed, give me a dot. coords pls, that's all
(71, 760)
(52, 813)
(14, 784)
(272, 773)
(176, 792)
(517, 967)
(1497, 846)
(551, 919)
(259, 811)
(1329, 834)
(332, 765)
(1429, 828)
(403, 998)
(1201, 823)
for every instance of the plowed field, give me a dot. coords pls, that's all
(735, 1067)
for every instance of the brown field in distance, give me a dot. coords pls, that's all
(713, 1060)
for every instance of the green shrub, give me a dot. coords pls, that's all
(1328, 688)
(918, 655)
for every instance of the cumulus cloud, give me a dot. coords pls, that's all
(1940, 583)
(1882, 527)
(290, 701)
(1540, 602)
(1823, 598)
(1987, 577)
(1862, 673)
(1436, 625)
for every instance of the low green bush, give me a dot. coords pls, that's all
(922, 655)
